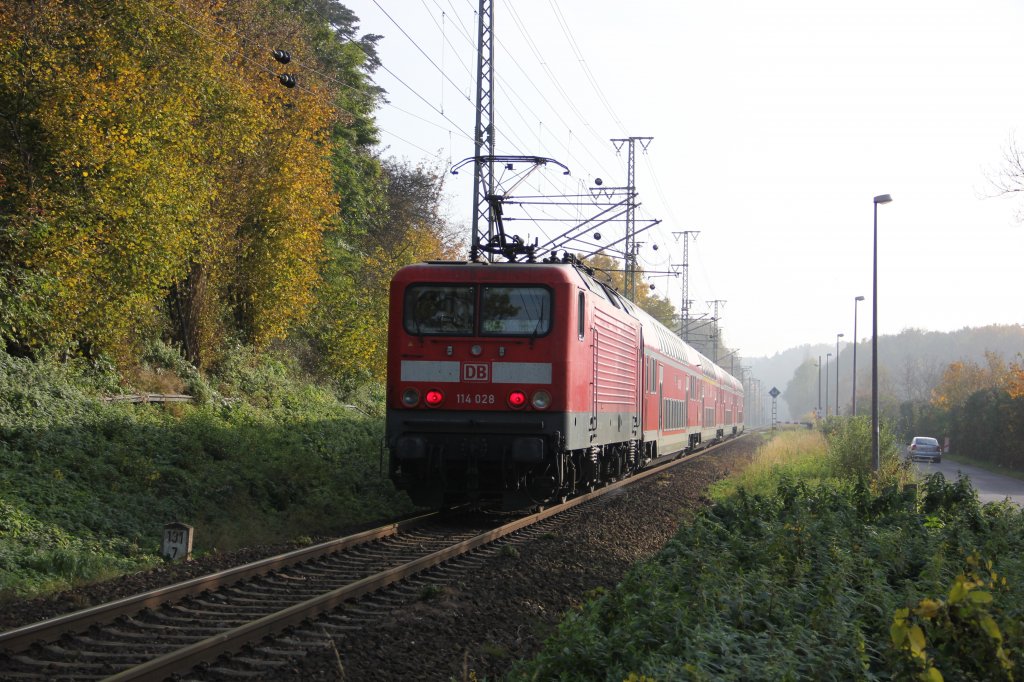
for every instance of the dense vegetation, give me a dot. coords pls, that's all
(159, 181)
(808, 570)
(88, 485)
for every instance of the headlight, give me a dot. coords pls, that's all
(541, 400)
(410, 397)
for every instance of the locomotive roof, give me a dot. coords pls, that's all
(654, 331)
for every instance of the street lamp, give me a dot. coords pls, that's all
(827, 356)
(855, 302)
(817, 409)
(838, 336)
(880, 199)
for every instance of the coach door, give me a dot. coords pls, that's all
(661, 399)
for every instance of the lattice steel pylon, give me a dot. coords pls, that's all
(631, 245)
(715, 331)
(483, 135)
(684, 311)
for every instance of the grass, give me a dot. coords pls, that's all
(264, 456)
(798, 452)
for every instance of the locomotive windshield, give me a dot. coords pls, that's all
(515, 311)
(440, 309)
(451, 310)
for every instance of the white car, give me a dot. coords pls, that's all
(924, 448)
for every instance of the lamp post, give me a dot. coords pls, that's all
(838, 336)
(880, 199)
(827, 356)
(853, 411)
(817, 408)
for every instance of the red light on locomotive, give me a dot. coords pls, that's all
(516, 399)
(433, 397)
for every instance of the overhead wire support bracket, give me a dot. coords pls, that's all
(497, 242)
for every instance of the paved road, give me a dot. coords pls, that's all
(991, 487)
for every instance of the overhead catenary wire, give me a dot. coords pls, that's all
(583, 64)
(504, 126)
(416, 45)
(296, 65)
(543, 105)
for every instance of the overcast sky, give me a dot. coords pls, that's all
(774, 126)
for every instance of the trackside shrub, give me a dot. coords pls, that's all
(804, 583)
(796, 452)
(967, 632)
(848, 452)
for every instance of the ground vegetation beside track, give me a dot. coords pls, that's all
(263, 455)
(808, 567)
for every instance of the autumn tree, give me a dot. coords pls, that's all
(103, 202)
(964, 378)
(348, 332)
(1015, 381)
(156, 177)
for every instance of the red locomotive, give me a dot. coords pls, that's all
(511, 384)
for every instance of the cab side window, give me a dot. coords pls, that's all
(581, 315)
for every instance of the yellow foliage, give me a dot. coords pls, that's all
(1015, 381)
(956, 621)
(964, 378)
(153, 149)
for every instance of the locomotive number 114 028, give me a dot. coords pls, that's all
(474, 398)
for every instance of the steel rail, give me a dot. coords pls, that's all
(22, 638)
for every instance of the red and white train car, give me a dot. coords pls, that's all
(511, 384)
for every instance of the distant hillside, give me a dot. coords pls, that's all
(910, 364)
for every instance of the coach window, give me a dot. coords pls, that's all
(515, 311)
(439, 309)
(581, 312)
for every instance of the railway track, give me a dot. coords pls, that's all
(189, 630)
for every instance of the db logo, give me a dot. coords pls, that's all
(476, 371)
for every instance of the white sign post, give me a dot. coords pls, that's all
(177, 545)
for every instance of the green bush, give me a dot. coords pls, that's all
(849, 450)
(802, 584)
